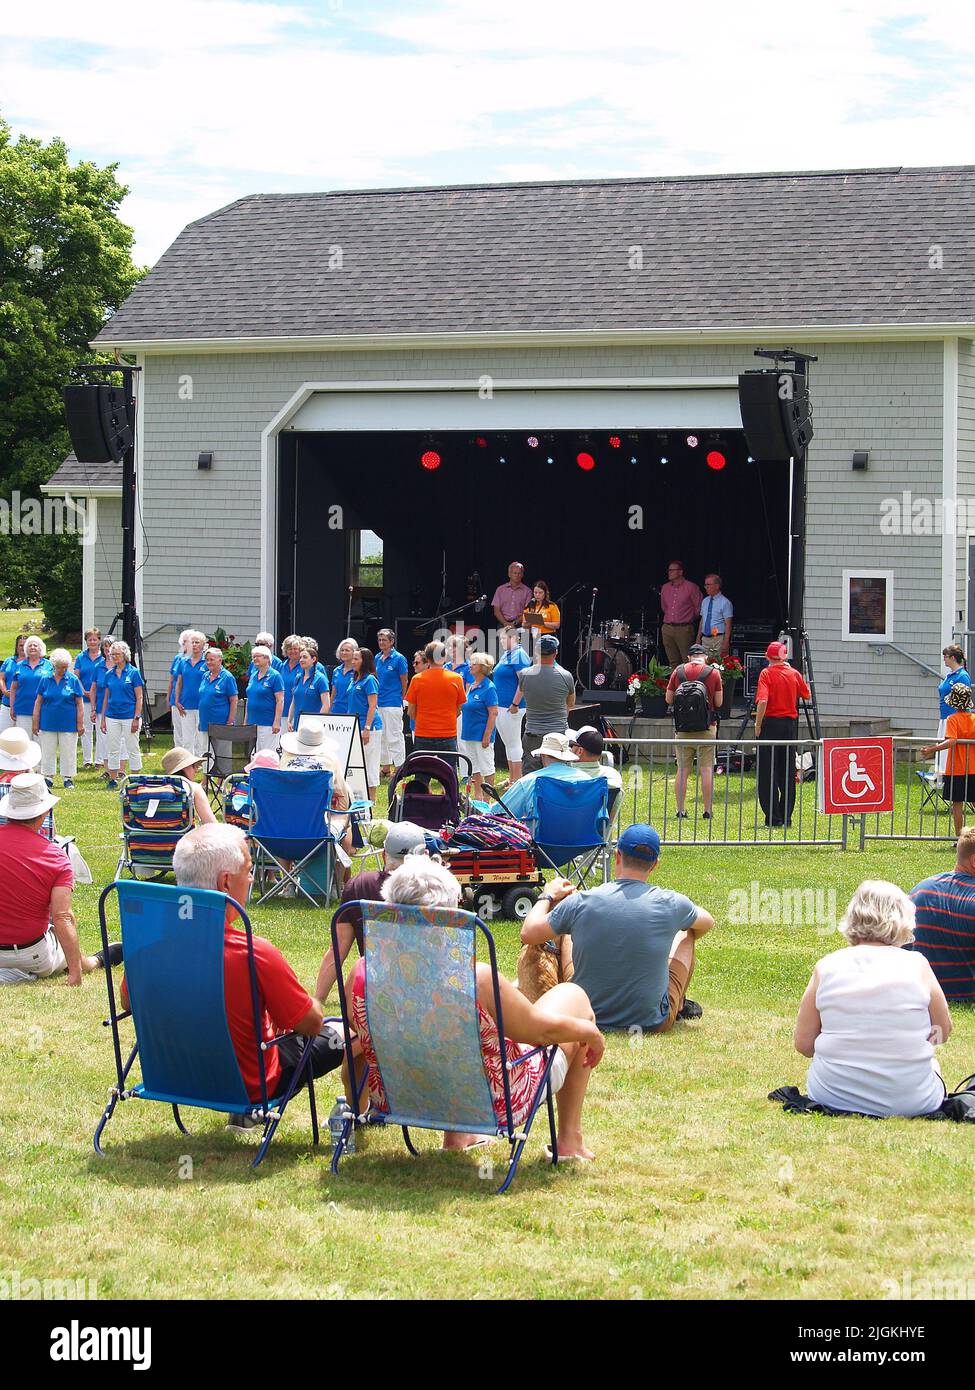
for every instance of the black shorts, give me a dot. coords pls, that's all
(959, 788)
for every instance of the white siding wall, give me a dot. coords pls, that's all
(203, 528)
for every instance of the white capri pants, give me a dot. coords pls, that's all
(101, 743)
(372, 750)
(123, 745)
(509, 731)
(393, 738)
(6, 718)
(267, 739)
(88, 737)
(482, 759)
(64, 744)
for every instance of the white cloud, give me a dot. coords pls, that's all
(204, 102)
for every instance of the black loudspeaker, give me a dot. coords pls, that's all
(774, 414)
(98, 422)
(607, 701)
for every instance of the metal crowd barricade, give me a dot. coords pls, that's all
(737, 814)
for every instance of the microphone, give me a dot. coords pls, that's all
(482, 599)
(595, 592)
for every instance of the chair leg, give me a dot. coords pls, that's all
(178, 1119)
(313, 1107)
(409, 1143)
(516, 1153)
(106, 1116)
(552, 1128)
(339, 1149)
(269, 1127)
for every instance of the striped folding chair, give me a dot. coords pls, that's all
(424, 1028)
(157, 811)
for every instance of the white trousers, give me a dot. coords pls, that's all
(393, 738)
(54, 745)
(177, 727)
(20, 964)
(25, 721)
(267, 739)
(193, 741)
(123, 745)
(88, 738)
(101, 743)
(509, 731)
(6, 718)
(372, 750)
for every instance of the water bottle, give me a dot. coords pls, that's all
(336, 1123)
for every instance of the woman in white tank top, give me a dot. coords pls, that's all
(872, 1014)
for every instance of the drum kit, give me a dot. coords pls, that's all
(611, 654)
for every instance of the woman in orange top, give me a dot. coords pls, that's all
(959, 782)
(541, 615)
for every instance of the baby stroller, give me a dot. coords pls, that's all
(411, 797)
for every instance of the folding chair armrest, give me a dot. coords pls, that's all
(283, 1037)
(492, 792)
(525, 1056)
(107, 1022)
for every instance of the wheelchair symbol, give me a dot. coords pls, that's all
(856, 776)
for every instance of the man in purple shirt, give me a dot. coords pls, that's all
(511, 599)
(680, 600)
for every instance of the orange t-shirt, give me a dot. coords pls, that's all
(437, 695)
(961, 758)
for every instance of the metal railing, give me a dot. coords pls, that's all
(757, 801)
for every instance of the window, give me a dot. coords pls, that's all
(367, 560)
(868, 605)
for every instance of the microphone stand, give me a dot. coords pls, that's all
(348, 613)
(592, 615)
(451, 612)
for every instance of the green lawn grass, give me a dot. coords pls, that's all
(702, 1188)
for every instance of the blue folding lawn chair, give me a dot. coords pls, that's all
(570, 824)
(429, 1053)
(173, 945)
(289, 822)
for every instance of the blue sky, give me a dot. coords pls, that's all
(203, 101)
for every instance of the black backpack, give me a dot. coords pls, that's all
(692, 713)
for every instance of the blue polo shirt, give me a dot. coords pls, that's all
(59, 709)
(174, 666)
(8, 668)
(289, 674)
(307, 696)
(359, 692)
(101, 671)
(389, 669)
(260, 697)
(121, 687)
(276, 664)
(28, 682)
(505, 676)
(84, 667)
(215, 697)
(474, 715)
(192, 680)
(959, 677)
(462, 670)
(341, 680)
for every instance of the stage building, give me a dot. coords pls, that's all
(400, 391)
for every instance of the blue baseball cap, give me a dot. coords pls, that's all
(640, 841)
(548, 645)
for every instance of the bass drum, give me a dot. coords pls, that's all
(608, 664)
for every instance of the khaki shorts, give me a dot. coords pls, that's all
(687, 744)
(678, 979)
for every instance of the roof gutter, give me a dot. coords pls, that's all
(583, 337)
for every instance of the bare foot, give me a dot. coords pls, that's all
(453, 1141)
(574, 1148)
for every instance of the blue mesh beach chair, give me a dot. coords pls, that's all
(429, 1054)
(289, 821)
(173, 944)
(157, 811)
(571, 822)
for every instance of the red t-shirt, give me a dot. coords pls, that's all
(438, 696)
(782, 686)
(692, 672)
(31, 867)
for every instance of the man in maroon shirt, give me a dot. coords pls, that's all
(701, 745)
(680, 601)
(780, 688)
(38, 931)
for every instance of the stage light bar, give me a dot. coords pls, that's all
(586, 462)
(716, 460)
(430, 460)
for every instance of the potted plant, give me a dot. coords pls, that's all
(647, 687)
(236, 657)
(731, 671)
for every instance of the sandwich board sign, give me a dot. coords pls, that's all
(857, 776)
(343, 730)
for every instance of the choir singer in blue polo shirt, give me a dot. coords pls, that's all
(264, 699)
(392, 673)
(218, 695)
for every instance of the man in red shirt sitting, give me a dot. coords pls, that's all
(780, 688)
(218, 857)
(38, 931)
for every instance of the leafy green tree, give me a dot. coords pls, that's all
(65, 266)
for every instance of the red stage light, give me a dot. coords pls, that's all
(481, 442)
(430, 460)
(586, 462)
(614, 441)
(716, 460)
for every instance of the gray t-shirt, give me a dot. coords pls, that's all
(545, 689)
(622, 933)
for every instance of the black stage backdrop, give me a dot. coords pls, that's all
(495, 498)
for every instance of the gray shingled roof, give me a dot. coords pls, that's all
(835, 248)
(76, 477)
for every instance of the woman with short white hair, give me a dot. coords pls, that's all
(122, 713)
(189, 678)
(59, 719)
(343, 675)
(873, 1013)
(264, 699)
(218, 698)
(25, 681)
(183, 651)
(563, 1016)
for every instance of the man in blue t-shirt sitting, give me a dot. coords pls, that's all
(944, 932)
(630, 945)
